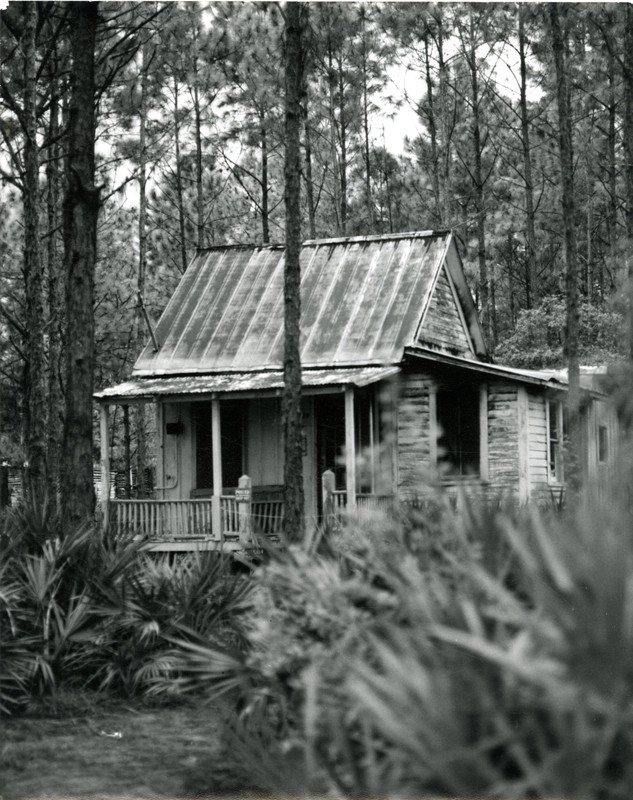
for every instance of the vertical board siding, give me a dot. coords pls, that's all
(538, 451)
(443, 325)
(503, 459)
(265, 456)
(413, 433)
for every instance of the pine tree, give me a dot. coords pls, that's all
(296, 20)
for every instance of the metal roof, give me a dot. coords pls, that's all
(239, 382)
(551, 379)
(362, 301)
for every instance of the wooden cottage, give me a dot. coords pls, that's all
(398, 390)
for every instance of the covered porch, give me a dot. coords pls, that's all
(219, 454)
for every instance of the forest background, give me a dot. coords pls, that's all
(189, 144)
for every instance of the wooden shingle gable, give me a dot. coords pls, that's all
(450, 322)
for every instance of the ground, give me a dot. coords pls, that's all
(111, 750)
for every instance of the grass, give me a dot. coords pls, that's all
(82, 748)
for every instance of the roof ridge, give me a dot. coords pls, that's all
(371, 237)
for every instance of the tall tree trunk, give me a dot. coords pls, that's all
(343, 142)
(612, 214)
(484, 289)
(559, 48)
(296, 20)
(55, 290)
(179, 187)
(430, 115)
(446, 124)
(532, 292)
(81, 209)
(334, 136)
(628, 157)
(308, 167)
(139, 422)
(265, 211)
(35, 401)
(198, 138)
(368, 198)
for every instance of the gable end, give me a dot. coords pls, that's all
(444, 326)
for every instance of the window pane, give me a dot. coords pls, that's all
(232, 427)
(204, 453)
(458, 430)
(603, 443)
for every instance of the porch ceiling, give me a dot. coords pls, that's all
(237, 382)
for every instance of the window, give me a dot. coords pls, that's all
(232, 428)
(603, 444)
(459, 431)
(556, 430)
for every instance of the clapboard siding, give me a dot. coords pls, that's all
(537, 440)
(443, 326)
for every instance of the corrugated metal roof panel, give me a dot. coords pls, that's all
(362, 300)
(148, 388)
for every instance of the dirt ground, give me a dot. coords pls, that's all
(122, 752)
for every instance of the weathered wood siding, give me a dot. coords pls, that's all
(600, 474)
(540, 488)
(413, 434)
(443, 325)
(503, 450)
(265, 454)
(178, 453)
(416, 455)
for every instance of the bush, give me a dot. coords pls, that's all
(81, 609)
(461, 653)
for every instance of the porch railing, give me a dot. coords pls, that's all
(168, 519)
(238, 517)
(193, 519)
(363, 500)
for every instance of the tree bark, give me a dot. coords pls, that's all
(559, 46)
(628, 157)
(308, 162)
(179, 187)
(343, 142)
(56, 293)
(368, 198)
(530, 233)
(139, 422)
(430, 115)
(265, 211)
(35, 384)
(296, 19)
(484, 289)
(81, 209)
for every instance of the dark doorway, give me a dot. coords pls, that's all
(329, 415)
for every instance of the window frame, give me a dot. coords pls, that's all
(602, 443)
(555, 410)
(480, 409)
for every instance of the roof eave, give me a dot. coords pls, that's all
(485, 368)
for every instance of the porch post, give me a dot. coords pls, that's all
(160, 449)
(350, 449)
(104, 412)
(216, 445)
(372, 444)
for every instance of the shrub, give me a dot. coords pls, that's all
(494, 662)
(78, 608)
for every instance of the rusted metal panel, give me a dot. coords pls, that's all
(362, 301)
(147, 388)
